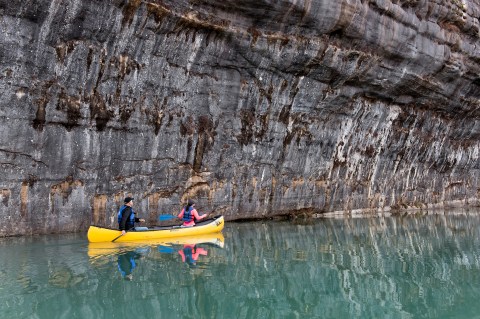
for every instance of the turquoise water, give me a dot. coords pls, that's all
(416, 266)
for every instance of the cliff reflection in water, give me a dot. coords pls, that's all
(416, 266)
(420, 266)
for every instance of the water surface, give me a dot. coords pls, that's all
(415, 266)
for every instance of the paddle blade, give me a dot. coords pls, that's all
(165, 249)
(166, 217)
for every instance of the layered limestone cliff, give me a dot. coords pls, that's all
(254, 108)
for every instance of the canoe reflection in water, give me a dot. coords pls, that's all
(128, 254)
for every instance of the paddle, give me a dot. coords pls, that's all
(166, 217)
(117, 238)
(165, 249)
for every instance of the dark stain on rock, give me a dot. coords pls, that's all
(89, 57)
(288, 139)
(267, 93)
(204, 142)
(199, 149)
(210, 37)
(99, 111)
(63, 49)
(370, 151)
(255, 34)
(156, 113)
(5, 195)
(129, 11)
(125, 65)
(247, 118)
(205, 125)
(103, 56)
(31, 180)
(299, 129)
(283, 86)
(39, 120)
(71, 105)
(42, 101)
(285, 114)
(443, 165)
(187, 127)
(264, 120)
(189, 149)
(125, 111)
(8, 72)
(475, 89)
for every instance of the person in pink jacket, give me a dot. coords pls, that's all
(189, 214)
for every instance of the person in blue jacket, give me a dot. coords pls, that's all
(126, 216)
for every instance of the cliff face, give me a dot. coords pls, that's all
(253, 108)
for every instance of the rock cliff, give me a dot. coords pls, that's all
(253, 108)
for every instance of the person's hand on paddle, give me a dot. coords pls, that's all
(140, 220)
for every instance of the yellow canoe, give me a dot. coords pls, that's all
(105, 249)
(99, 234)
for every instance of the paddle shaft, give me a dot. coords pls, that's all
(168, 217)
(117, 238)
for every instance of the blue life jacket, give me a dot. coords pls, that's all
(187, 214)
(131, 220)
(128, 267)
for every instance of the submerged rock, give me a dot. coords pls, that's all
(253, 108)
